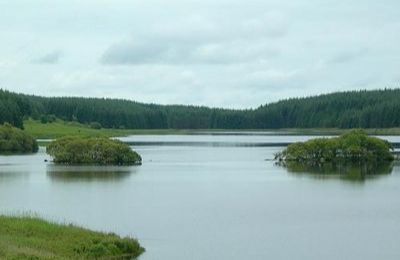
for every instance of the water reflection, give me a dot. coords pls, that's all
(9, 174)
(66, 173)
(357, 172)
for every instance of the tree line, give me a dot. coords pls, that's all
(354, 109)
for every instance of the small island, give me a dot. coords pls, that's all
(353, 156)
(94, 150)
(354, 146)
(15, 141)
(33, 238)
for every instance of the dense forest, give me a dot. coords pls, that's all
(366, 109)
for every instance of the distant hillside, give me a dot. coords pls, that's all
(366, 109)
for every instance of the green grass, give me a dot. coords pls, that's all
(33, 238)
(61, 128)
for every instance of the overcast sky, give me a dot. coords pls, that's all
(223, 53)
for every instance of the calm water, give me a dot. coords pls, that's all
(214, 202)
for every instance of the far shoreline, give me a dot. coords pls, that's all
(62, 128)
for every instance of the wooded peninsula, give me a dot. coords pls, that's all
(354, 109)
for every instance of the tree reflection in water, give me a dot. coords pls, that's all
(66, 173)
(349, 171)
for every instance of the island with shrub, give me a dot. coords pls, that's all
(94, 150)
(354, 146)
(353, 156)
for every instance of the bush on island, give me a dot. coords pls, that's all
(355, 146)
(15, 140)
(103, 151)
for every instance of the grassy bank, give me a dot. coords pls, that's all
(60, 128)
(32, 238)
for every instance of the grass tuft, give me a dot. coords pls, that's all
(32, 238)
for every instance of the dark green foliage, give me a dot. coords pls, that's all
(124, 248)
(353, 146)
(32, 238)
(104, 151)
(95, 125)
(13, 107)
(44, 119)
(356, 109)
(14, 140)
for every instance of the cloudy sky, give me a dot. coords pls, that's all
(223, 53)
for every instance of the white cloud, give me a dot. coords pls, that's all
(208, 39)
(230, 53)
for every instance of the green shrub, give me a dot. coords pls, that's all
(104, 151)
(95, 125)
(15, 140)
(352, 146)
(44, 119)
